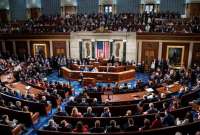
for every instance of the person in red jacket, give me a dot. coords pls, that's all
(80, 127)
(157, 122)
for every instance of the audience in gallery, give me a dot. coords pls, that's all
(127, 22)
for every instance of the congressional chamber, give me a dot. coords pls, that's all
(113, 67)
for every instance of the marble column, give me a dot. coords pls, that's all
(67, 49)
(190, 53)
(51, 48)
(140, 51)
(160, 51)
(14, 48)
(29, 47)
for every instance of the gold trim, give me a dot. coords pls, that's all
(182, 54)
(34, 48)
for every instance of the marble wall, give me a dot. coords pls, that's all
(128, 38)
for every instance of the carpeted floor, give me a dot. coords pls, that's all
(54, 77)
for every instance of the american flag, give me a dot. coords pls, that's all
(103, 49)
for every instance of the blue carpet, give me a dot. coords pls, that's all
(54, 77)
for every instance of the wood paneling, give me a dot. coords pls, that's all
(59, 47)
(196, 54)
(9, 47)
(40, 42)
(3, 15)
(186, 51)
(193, 9)
(149, 51)
(21, 49)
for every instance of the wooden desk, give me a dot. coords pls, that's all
(99, 76)
(103, 68)
(22, 88)
(124, 97)
(138, 95)
(7, 78)
(89, 81)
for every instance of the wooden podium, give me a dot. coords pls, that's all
(89, 82)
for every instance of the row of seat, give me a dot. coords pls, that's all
(190, 128)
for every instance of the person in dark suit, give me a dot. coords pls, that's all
(89, 112)
(113, 60)
(168, 119)
(131, 126)
(106, 112)
(97, 128)
(83, 102)
(113, 127)
(64, 126)
(60, 112)
(51, 125)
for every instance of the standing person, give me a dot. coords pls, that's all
(81, 79)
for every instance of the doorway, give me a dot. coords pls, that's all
(149, 8)
(108, 9)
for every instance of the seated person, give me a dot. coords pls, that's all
(128, 113)
(151, 109)
(2, 103)
(188, 119)
(94, 102)
(157, 122)
(106, 112)
(116, 88)
(131, 126)
(72, 101)
(139, 84)
(43, 100)
(86, 69)
(75, 112)
(108, 88)
(80, 127)
(146, 125)
(11, 106)
(113, 127)
(139, 109)
(89, 112)
(64, 126)
(168, 119)
(107, 102)
(60, 112)
(18, 106)
(6, 121)
(95, 69)
(175, 105)
(83, 102)
(97, 128)
(26, 109)
(125, 86)
(51, 125)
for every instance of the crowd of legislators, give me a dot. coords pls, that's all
(35, 69)
(126, 22)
